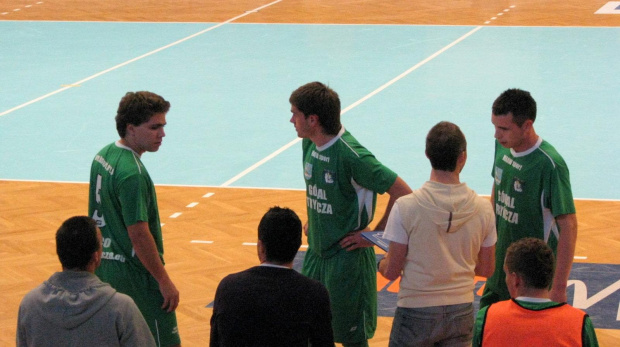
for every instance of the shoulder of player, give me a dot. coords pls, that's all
(350, 145)
(552, 156)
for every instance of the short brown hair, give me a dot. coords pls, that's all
(138, 107)
(533, 260)
(318, 99)
(444, 143)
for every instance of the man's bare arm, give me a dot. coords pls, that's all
(391, 267)
(398, 189)
(486, 261)
(146, 250)
(565, 255)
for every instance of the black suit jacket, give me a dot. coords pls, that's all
(268, 306)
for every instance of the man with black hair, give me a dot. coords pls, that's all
(73, 307)
(530, 318)
(272, 304)
(531, 193)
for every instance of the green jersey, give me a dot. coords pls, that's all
(121, 193)
(342, 182)
(531, 189)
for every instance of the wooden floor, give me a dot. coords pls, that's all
(30, 212)
(456, 12)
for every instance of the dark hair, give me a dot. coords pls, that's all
(444, 143)
(138, 107)
(533, 260)
(280, 232)
(518, 102)
(76, 241)
(317, 98)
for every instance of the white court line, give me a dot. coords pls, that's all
(200, 241)
(261, 162)
(355, 104)
(254, 244)
(134, 60)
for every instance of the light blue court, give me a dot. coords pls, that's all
(229, 85)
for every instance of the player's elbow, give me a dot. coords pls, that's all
(391, 274)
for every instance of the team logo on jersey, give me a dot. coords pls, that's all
(99, 219)
(517, 185)
(329, 176)
(308, 171)
(498, 175)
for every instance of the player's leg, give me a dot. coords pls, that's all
(144, 290)
(350, 278)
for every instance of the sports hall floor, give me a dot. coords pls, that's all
(230, 152)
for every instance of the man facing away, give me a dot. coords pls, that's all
(122, 200)
(73, 307)
(530, 318)
(442, 235)
(531, 195)
(272, 304)
(342, 181)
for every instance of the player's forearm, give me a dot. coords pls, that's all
(566, 249)
(391, 267)
(146, 250)
(398, 189)
(486, 262)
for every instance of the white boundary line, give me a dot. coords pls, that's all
(239, 187)
(70, 85)
(355, 104)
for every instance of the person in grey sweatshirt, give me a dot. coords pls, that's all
(74, 307)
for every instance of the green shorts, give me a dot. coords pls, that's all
(351, 280)
(144, 290)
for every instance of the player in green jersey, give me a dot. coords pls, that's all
(342, 181)
(123, 202)
(531, 193)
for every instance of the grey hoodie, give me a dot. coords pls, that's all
(74, 308)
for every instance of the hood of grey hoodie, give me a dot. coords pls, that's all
(448, 205)
(70, 298)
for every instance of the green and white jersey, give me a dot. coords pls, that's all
(121, 193)
(531, 189)
(342, 182)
